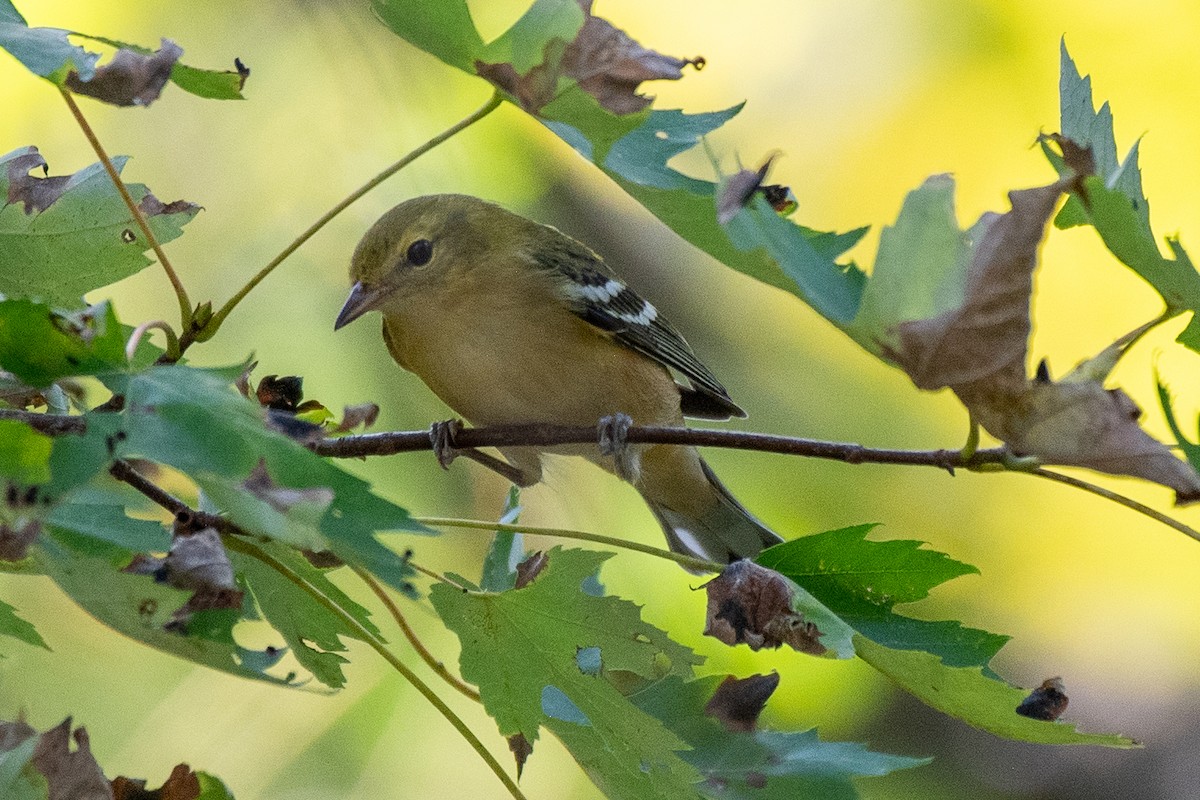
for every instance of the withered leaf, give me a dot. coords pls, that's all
(741, 187)
(282, 394)
(751, 604)
(70, 775)
(36, 194)
(15, 539)
(521, 750)
(530, 568)
(1047, 702)
(283, 498)
(979, 351)
(130, 78)
(363, 414)
(197, 561)
(604, 60)
(737, 702)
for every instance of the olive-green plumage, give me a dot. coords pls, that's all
(509, 321)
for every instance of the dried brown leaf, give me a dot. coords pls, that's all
(70, 775)
(979, 351)
(283, 498)
(737, 702)
(751, 604)
(363, 414)
(280, 393)
(130, 78)
(521, 750)
(36, 194)
(198, 562)
(15, 540)
(604, 60)
(530, 568)
(1047, 702)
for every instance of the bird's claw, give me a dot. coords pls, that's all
(441, 436)
(613, 439)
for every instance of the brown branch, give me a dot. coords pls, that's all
(382, 444)
(49, 424)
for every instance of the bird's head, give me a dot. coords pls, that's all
(422, 248)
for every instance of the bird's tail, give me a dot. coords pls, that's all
(722, 530)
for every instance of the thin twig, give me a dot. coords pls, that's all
(185, 305)
(219, 317)
(437, 666)
(49, 424)
(687, 561)
(1120, 499)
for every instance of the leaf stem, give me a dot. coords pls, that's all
(434, 664)
(185, 305)
(1120, 499)
(564, 533)
(219, 317)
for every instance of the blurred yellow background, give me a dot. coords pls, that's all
(864, 100)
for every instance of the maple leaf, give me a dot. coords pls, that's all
(601, 59)
(978, 348)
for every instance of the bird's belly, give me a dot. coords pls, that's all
(569, 375)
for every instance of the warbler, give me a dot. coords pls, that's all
(509, 321)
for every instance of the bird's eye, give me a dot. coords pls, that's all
(419, 253)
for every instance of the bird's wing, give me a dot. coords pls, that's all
(604, 301)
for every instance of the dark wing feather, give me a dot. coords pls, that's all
(603, 300)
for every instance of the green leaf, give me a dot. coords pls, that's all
(194, 421)
(212, 788)
(796, 766)
(43, 51)
(524, 44)
(89, 572)
(24, 453)
(17, 628)
(920, 268)
(310, 629)
(1191, 450)
(523, 648)
(861, 581)
(507, 550)
(108, 522)
(64, 236)
(40, 345)
(19, 779)
(443, 29)
(1113, 202)
(967, 694)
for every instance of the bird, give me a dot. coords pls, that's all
(510, 321)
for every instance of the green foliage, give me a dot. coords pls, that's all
(17, 628)
(523, 649)
(767, 765)
(861, 581)
(1112, 201)
(81, 343)
(545, 646)
(967, 694)
(82, 235)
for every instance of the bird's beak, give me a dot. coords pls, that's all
(361, 300)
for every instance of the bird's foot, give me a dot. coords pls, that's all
(613, 439)
(442, 435)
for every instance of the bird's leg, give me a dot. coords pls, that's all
(613, 436)
(441, 436)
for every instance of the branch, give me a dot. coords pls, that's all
(383, 444)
